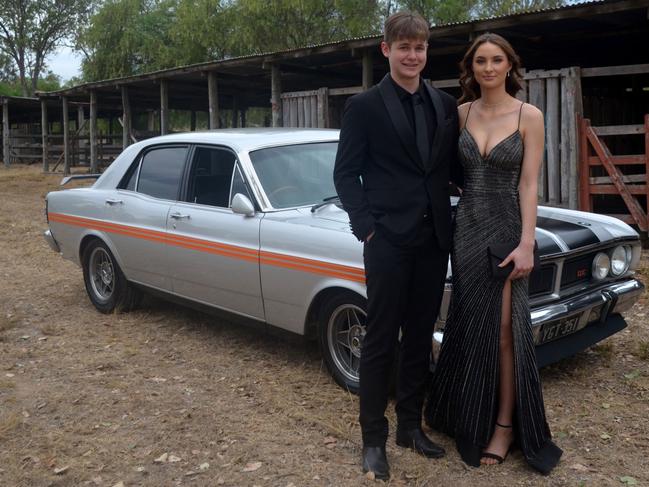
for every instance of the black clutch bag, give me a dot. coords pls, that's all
(498, 252)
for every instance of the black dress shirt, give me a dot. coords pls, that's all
(407, 102)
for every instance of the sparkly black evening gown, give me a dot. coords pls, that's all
(463, 402)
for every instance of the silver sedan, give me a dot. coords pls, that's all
(247, 221)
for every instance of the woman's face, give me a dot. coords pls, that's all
(490, 65)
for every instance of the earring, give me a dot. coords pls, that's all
(508, 73)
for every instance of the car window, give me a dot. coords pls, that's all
(239, 185)
(161, 171)
(210, 178)
(296, 175)
(129, 180)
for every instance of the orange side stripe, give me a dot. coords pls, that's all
(107, 228)
(151, 234)
(314, 270)
(250, 255)
(301, 260)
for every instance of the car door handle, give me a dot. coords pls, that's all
(179, 216)
(113, 202)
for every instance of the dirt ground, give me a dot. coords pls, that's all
(169, 396)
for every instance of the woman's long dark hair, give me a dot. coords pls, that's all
(468, 83)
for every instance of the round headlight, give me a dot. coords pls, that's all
(619, 261)
(601, 266)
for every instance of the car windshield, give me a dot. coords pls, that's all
(296, 175)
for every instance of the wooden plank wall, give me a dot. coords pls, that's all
(305, 109)
(557, 93)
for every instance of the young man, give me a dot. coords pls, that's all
(396, 156)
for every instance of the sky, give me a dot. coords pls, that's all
(65, 63)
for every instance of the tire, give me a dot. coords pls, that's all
(106, 285)
(342, 315)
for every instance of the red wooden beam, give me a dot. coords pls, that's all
(585, 201)
(646, 155)
(632, 204)
(620, 160)
(639, 189)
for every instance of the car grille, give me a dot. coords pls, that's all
(577, 270)
(542, 280)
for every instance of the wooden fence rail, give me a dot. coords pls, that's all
(594, 152)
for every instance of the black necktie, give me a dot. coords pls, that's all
(421, 128)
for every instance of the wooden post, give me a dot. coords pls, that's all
(368, 73)
(323, 108)
(243, 116)
(66, 136)
(80, 117)
(5, 133)
(522, 94)
(235, 111)
(192, 121)
(584, 168)
(44, 136)
(571, 106)
(537, 98)
(275, 95)
(552, 124)
(164, 107)
(646, 158)
(150, 123)
(92, 132)
(213, 101)
(126, 118)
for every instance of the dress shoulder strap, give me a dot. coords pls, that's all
(466, 119)
(520, 112)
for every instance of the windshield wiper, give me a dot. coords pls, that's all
(327, 201)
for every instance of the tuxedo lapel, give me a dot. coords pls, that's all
(439, 131)
(399, 120)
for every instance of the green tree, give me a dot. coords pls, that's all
(203, 30)
(32, 29)
(271, 25)
(12, 86)
(442, 11)
(126, 37)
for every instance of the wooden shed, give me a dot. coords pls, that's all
(588, 61)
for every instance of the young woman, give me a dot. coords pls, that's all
(486, 390)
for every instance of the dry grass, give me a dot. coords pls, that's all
(642, 350)
(605, 351)
(8, 423)
(107, 394)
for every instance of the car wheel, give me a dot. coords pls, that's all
(105, 282)
(341, 331)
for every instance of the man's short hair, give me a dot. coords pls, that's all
(405, 25)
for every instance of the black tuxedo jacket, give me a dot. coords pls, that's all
(380, 178)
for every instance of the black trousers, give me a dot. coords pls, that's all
(404, 291)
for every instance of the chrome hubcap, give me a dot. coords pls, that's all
(346, 330)
(102, 274)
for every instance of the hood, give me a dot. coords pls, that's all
(557, 229)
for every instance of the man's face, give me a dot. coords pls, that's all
(407, 57)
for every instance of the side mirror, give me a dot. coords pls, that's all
(242, 205)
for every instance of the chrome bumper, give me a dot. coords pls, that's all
(593, 307)
(49, 238)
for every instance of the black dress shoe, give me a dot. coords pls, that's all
(416, 440)
(374, 460)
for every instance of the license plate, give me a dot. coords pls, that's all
(558, 329)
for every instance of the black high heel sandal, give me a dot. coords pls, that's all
(498, 458)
